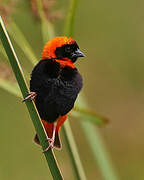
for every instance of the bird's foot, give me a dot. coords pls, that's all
(31, 96)
(49, 140)
(51, 144)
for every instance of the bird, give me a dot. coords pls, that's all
(55, 84)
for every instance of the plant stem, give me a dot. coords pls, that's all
(72, 150)
(11, 87)
(99, 150)
(102, 157)
(30, 105)
(2, 51)
(69, 25)
(97, 146)
(69, 139)
(46, 25)
(89, 115)
(19, 38)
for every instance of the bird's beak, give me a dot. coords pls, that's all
(77, 54)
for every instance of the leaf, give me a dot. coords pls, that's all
(69, 23)
(88, 115)
(46, 26)
(11, 87)
(21, 41)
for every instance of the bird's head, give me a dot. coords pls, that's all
(63, 50)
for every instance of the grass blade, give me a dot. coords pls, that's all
(69, 139)
(69, 25)
(99, 151)
(30, 105)
(46, 25)
(91, 133)
(74, 155)
(97, 146)
(19, 38)
(2, 51)
(11, 87)
(88, 115)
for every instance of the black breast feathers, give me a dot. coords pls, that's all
(56, 88)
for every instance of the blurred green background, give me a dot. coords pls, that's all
(111, 34)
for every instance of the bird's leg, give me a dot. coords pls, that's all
(31, 96)
(51, 140)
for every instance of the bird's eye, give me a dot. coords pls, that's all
(67, 49)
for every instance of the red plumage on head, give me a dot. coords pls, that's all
(50, 46)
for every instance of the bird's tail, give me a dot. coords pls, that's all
(57, 142)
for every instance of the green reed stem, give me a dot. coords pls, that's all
(21, 41)
(54, 169)
(73, 152)
(69, 138)
(46, 26)
(99, 151)
(69, 25)
(9, 86)
(97, 146)
(91, 133)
